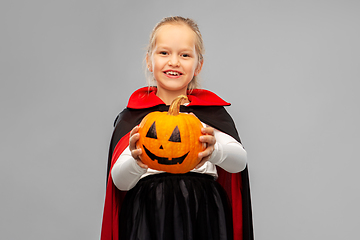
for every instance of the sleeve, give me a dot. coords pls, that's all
(228, 153)
(126, 172)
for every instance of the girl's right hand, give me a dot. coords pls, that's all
(136, 152)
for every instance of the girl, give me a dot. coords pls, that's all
(210, 202)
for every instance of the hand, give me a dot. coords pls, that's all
(136, 152)
(209, 139)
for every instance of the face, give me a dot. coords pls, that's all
(174, 60)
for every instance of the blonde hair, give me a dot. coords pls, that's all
(199, 45)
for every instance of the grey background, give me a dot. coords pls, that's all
(289, 68)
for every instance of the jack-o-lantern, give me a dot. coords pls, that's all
(170, 140)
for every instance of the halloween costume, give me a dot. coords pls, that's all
(209, 109)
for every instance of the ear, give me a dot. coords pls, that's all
(198, 68)
(148, 62)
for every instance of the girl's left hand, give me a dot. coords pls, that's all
(209, 139)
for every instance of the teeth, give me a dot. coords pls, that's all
(173, 73)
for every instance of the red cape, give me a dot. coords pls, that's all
(203, 103)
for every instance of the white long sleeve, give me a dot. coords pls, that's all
(126, 172)
(228, 154)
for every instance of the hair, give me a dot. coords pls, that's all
(199, 45)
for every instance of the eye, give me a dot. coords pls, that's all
(152, 131)
(185, 55)
(163, 53)
(175, 136)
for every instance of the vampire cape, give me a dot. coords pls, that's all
(209, 108)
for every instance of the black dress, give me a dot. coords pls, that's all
(191, 206)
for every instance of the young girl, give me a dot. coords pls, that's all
(210, 202)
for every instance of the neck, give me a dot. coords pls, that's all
(167, 97)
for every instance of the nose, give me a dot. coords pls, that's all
(174, 61)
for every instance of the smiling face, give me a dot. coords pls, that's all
(174, 60)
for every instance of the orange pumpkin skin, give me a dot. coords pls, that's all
(170, 143)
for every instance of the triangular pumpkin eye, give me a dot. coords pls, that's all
(175, 136)
(152, 131)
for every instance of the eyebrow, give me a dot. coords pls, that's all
(181, 50)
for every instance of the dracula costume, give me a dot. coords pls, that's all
(119, 215)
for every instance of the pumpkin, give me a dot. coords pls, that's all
(170, 140)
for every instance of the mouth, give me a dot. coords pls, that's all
(173, 73)
(165, 161)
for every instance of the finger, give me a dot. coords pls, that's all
(134, 130)
(136, 153)
(133, 138)
(208, 139)
(141, 164)
(207, 131)
(206, 153)
(132, 142)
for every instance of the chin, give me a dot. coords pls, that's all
(174, 87)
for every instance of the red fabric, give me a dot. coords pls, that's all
(114, 197)
(231, 182)
(146, 97)
(236, 206)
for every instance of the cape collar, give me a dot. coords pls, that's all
(146, 97)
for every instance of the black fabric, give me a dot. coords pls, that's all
(214, 116)
(166, 206)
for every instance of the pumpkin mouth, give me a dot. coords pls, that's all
(163, 160)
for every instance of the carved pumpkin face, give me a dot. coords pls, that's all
(170, 143)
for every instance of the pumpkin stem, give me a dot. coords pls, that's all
(175, 105)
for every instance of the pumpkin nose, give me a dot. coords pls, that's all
(161, 147)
